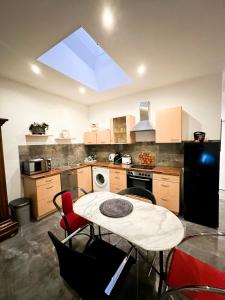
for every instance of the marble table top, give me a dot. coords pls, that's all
(148, 226)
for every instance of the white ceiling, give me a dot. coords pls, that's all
(176, 39)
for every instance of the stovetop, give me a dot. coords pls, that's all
(145, 167)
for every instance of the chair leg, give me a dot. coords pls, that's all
(70, 242)
(99, 232)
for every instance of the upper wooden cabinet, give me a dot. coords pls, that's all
(121, 130)
(169, 125)
(90, 137)
(103, 137)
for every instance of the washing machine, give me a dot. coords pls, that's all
(100, 179)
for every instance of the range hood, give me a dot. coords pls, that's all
(144, 123)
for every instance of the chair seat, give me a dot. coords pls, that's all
(75, 221)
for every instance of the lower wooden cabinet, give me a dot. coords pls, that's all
(166, 189)
(41, 192)
(118, 180)
(84, 179)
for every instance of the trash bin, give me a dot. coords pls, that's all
(21, 210)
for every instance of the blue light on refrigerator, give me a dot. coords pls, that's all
(207, 159)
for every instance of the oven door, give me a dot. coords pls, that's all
(138, 181)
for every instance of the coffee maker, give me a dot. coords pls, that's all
(118, 158)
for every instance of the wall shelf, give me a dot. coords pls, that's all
(64, 140)
(37, 135)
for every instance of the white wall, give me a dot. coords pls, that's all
(222, 153)
(200, 99)
(23, 105)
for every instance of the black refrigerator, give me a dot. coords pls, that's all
(201, 183)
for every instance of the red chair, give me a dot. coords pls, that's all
(192, 278)
(70, 221)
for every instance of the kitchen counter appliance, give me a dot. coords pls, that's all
(126, 159)
(68, 180)
(112, 156)
(118, 159)
(36, 166)
(140, 178)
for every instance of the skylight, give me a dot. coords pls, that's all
(79, 57)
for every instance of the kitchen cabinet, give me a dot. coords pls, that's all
(84, 179)
(166, 189)
(90, 137)
(121, 130)
(169, 125)
(118, 180)
(41, 192)
(103, 137)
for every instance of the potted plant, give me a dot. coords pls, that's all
(37, 128)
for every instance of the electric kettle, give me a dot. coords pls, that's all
(111, 156)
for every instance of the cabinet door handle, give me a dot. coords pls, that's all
(163, 199)
(116, 177)
(164, 178)
(48, 180)
(142, 179)
(164, 185)
(48, 188)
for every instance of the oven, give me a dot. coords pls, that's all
(141, 179)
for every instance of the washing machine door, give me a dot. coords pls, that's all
(100, 180)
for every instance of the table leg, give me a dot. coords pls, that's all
(137, 275)
(161, 272)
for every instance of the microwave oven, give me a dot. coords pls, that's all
(35, 166)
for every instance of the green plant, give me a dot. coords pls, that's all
(37, 128)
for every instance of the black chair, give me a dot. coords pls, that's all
(138, 191)
(95, 274)
(144, 193)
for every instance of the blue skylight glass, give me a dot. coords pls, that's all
(79, 57)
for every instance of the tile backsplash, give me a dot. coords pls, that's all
(165, 154)
(61, 155)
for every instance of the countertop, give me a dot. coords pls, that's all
(175, 171)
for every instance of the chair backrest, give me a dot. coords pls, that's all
(188, 271)
(138, 191)
(77, 269)
(67, 202)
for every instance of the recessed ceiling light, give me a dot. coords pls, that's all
(35, 69)
(82, 90)
(141, 69)
(107, 18)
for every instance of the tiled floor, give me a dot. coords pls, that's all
(29, 268)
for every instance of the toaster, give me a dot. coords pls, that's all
(126, 159)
